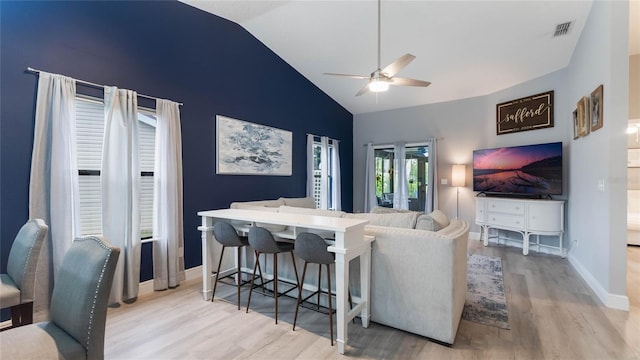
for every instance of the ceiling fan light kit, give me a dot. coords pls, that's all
(380, 79)
(378, 85)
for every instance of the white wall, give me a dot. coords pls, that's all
(596, 219)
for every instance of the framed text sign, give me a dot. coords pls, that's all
(527, 113)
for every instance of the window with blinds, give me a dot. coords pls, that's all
(89, 135)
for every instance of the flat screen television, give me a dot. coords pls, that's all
(529, 170)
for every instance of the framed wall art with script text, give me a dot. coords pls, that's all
(527, 113)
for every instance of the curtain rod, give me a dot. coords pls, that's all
(314, 135)
(415, 143)
(30, 69)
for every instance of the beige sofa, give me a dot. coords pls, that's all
(418, 265)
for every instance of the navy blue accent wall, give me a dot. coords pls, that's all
(169, 50)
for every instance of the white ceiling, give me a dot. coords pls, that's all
(464, 48)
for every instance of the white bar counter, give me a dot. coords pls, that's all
(350, 243)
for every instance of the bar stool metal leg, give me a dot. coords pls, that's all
(252, 279)
(330, 307)
(215, 283)
(319, 283)
(304, 272)
(239, 275)
(275, 282)
(295, 269)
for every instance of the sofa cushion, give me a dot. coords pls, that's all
(267, 203)
(453, 227)
(399, 220)
(441, 218)
(270, 227)
(306, 211)
(386, 210)
(435, 221)
(306, 202)
(426, 222)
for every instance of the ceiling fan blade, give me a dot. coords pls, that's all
(363, 90)
(409, 82)
(351, 76)
(398, 65)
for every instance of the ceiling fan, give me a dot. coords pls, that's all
(380, 79)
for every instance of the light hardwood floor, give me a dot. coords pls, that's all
(552, 313)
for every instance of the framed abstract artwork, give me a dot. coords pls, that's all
(245, 148)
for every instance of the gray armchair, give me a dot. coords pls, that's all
(78, 308)
(17, 286)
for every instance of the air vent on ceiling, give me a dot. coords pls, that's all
(562, 29)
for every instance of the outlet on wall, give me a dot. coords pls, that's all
(575, 242)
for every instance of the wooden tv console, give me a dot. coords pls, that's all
(525, 216)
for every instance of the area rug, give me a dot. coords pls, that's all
(485, 303)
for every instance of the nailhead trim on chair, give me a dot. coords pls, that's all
(95, 296)
(26, 263)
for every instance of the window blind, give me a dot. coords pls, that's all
(89, 135)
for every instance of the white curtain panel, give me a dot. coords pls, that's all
(310, 178)
(335, 179)
(324, 172)
(401, 187)
(53, 186)
(168, 244)
(370, 200)
(432, 189)
(120, 189)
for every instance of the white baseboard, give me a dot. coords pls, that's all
(146, 287)
(614, 301)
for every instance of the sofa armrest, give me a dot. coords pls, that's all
(419, 279)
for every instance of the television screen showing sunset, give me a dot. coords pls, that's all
(530, 169)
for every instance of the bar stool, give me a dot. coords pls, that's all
(313, 249)
(262, 241)
(227, 236)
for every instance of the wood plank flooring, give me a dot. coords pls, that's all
(552, 312)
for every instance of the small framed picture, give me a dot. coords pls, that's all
(596, 108)
(576, 126)
(583, 116)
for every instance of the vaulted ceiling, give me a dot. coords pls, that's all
(464, 48)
